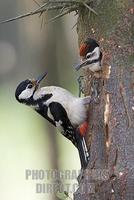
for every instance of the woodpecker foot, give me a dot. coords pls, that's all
(80, 83)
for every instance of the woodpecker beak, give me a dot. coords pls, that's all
(40, 78)
(84, 63)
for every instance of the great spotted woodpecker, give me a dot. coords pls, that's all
(90, 55)
(60, 108)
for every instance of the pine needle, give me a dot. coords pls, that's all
(89, 8)
(64, 7)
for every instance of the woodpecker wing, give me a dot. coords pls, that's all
(62, 122)
(43, 110)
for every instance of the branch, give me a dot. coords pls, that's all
(64, 6)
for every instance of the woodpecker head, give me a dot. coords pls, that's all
(26, 89)
(90, 54)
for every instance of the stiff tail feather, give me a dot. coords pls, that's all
(82, 149)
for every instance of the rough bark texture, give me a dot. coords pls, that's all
(110, 172)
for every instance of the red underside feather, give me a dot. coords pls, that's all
(83, 128)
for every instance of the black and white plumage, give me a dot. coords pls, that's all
(59, 107)
(91, 55)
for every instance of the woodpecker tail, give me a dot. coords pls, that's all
(82, 149)
(86, 100)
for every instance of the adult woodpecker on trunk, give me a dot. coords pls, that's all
(65, 111)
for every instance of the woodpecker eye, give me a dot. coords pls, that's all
(88, 55)
(30, 86)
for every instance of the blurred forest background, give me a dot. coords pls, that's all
(27, 141)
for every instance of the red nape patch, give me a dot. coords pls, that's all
(84, 49)
(83, 128)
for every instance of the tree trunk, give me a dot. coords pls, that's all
(110, 173)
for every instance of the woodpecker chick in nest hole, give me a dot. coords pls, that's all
(91, 57)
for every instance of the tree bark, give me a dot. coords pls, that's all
(110, 172)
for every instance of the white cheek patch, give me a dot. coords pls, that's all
(27, 93)
(95, 54)
(88, 55)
